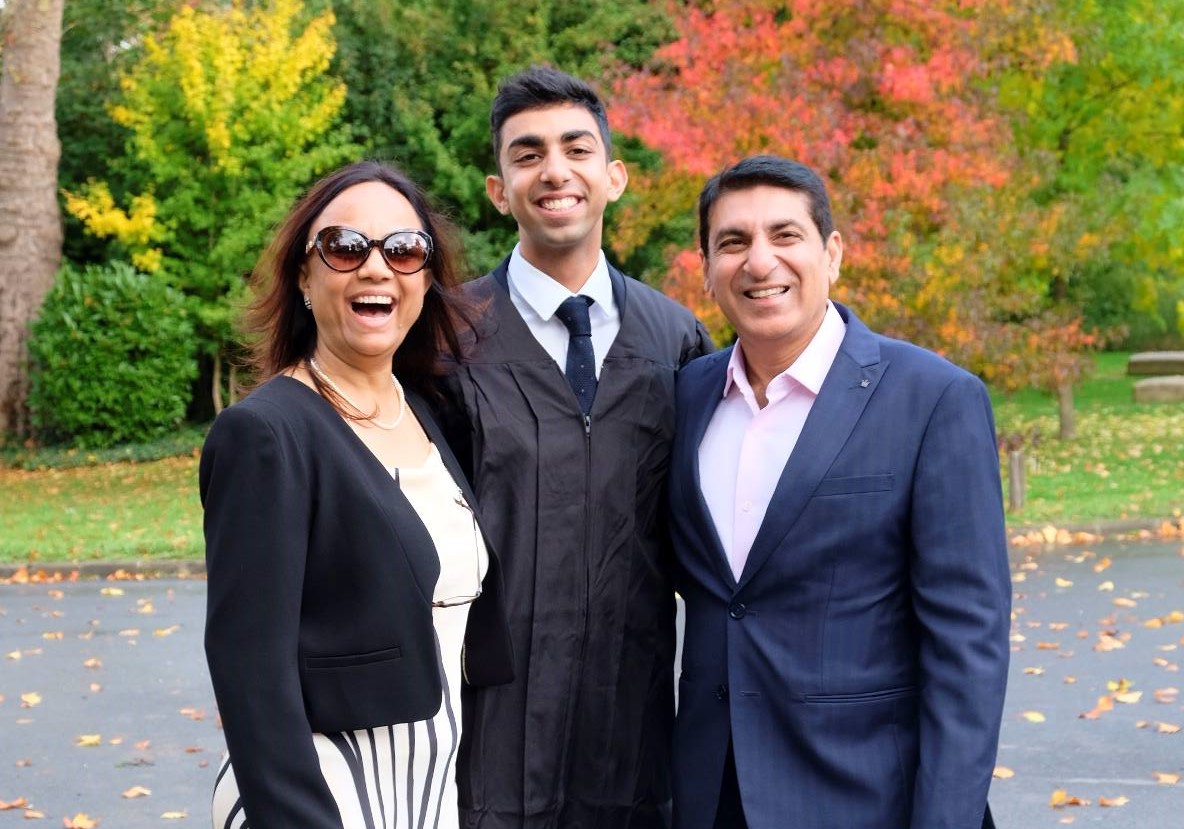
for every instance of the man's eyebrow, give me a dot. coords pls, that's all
(744, 233)
(533, 141)
(577, 135)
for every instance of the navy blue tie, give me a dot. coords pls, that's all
(581, 361)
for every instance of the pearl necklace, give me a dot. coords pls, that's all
(320, 372)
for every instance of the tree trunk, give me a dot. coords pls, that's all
(30, 224)
(1065, 407)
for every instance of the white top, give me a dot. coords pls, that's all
(745, 448)
(537, 297)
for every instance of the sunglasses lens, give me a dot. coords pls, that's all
(344, 249)
(405, 251)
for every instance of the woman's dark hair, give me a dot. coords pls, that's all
(282, 331)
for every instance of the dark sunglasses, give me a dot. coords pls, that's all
(344, 249)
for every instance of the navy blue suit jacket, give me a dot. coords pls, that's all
(860, 662)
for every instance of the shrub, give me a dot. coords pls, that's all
(112, 358)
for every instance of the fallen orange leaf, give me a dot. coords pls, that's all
(1061, 798)
(136, 791)
(1166, 695)
(19, 803)
(1113, 801)
(1034, 671)
(80, 821)
(33, 814)
(1122, 601)
(1047, 646)
(1106, 587)
(1003, 773)
(1102, 565)
(1104, 704)
(1064, 582)
(92, 663)
(1167, 728)
(30, 699)
(1166, 778)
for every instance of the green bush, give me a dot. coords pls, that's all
(113, 356)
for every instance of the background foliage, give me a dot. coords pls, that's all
(1007, 175)
(113, 357)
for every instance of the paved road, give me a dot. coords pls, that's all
(148, 699)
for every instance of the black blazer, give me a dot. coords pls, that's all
(319, 612)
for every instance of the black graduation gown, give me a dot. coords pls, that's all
(575, 511)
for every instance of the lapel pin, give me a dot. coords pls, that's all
(864, 383)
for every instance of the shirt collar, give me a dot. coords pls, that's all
(544, 295)
(810, 368)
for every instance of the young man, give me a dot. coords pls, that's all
(838, 524)
(567, 416)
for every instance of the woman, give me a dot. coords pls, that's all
(348, 578)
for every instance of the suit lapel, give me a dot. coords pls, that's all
(706, 392)
(849, 385)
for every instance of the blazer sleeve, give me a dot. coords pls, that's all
(256, 496)
(961, 590)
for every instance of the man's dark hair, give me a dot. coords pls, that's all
(775, 172)
(542, 86)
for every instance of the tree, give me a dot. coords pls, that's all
(231, 113)
(30, 224)
(1103, 124)
(882, 97)
(422, 74)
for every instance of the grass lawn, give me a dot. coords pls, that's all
(1127, 462)
(112, 511)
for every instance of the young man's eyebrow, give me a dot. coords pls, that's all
(533, 141)
(577, 135)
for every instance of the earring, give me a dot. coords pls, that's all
(307, 302)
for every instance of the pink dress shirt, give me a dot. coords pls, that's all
(745, 447)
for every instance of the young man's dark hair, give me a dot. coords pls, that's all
(775, 172)
(542, 86)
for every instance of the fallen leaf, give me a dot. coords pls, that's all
(30, 699)
(1033, 716)
(33, 814)
(1106, 586)
(92, 663)
(1167, 728)
(1122, 601)
(1034, 671)
(13, 655)
(1166, 695)
(193, 749)
(136, 791)
(1058, 625)
(1069, 680)
(1063, 582)
(112, 591)
(174, 815)
(169, 631)
(1129, 697)
(1106, 642)
(1166, 778)
(1047, 646)
(19, 803)
(1104, 704)
(143, 744)
(53, 634)
(1003, 773)
(193, 713)
(89, 740)
(1102, 564)
(1113, 801)
(1061, 798)
(129, 632)
(80, 821)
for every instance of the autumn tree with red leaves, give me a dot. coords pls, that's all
(891, 101)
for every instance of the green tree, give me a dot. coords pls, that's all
(422, 74)
(231, 112)
(1102, 123)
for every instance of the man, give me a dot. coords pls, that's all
(568, 451)
(838, 526)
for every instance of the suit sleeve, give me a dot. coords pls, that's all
(257, 515)
(961, 591)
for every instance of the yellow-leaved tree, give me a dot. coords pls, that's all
(231, 113)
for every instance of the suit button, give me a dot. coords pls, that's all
(737, 610)
(721, 693)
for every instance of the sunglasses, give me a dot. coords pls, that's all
(344, 249)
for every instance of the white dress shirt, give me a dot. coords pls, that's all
(537, 297)
(745, 447)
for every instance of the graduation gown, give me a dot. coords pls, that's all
(575, 510)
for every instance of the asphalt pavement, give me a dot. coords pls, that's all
(104, 695)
